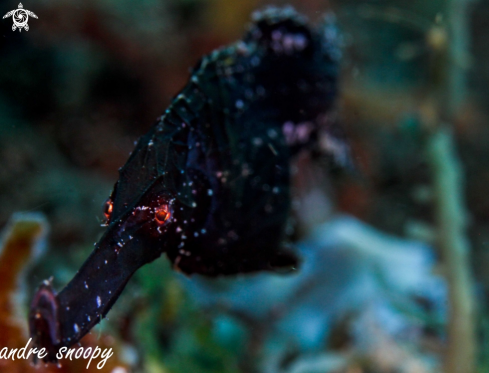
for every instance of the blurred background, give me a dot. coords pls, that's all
(394, 276)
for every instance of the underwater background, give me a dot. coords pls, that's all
(394, 274)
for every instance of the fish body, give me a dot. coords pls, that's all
(209, 184)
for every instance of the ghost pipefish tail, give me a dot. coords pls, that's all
(209, 184)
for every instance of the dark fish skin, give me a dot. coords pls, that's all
(218, 161)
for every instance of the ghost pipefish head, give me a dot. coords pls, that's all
(130, 241)
(140, 213)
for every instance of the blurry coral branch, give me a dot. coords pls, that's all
(449, 44)
(458, 54)
(451, 224)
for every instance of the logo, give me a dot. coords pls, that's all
(20, 17)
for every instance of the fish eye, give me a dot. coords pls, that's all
(162, 214)
(108, 208)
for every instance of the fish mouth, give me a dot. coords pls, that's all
(43, 320)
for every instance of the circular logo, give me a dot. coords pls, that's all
(20, 18)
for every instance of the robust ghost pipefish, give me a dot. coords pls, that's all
(209, 184)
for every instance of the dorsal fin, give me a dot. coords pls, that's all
(282, 30)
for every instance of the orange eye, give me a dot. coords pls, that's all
(108, 207)
(162, 214)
